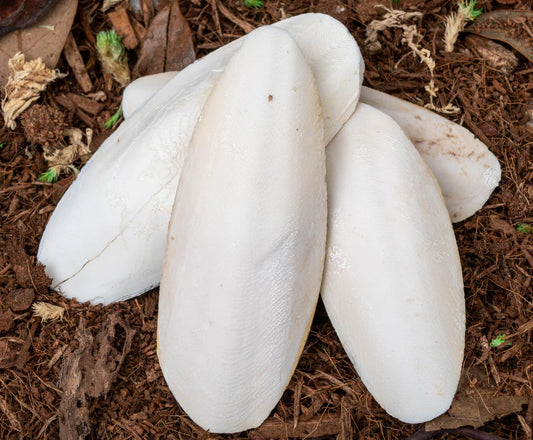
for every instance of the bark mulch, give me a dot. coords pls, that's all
(95, 373)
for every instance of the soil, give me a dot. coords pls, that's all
(47, 389)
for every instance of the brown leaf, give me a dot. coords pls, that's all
(38, 41)
(89, 372)
(168, 44)
(511, 27)
(475, 404)
(17, 14)
(494, 54)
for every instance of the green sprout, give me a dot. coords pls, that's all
(467, 9)
(3, 144)
(525, 228)
(499, 340)
(113, 56)
(253, 4)
(50, 175)
(109, 43)
(110, 123)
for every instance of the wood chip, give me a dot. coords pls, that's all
(89, 372)
(213, 5)
(244, 25)
(121, 22)
(75, 61)
(86, 104)
(316, 427)
(13, 421)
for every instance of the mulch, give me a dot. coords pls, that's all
(325, 398)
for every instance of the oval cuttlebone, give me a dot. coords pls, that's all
(392, 282)
(465, 168)
(246, 241)
(105, 241)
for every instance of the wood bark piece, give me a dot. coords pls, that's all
(168, 44)
(89, 372)
(44, 39)
(244, 25)
(75, 61)
(86, 104)
(121, 22)
(316, 427)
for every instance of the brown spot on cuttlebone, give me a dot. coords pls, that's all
(270, 98)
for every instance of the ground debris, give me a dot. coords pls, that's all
(493, 53)
(6, 321)
(43, 125)
(28, 272)
(20, 300)
(90, 371)
(476, 403)
(320, 426)
(26, 82)
(62, 159)
(48, 312)
(168, 44)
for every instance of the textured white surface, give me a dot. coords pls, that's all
(246, 241)
(392, 284)
(105, 241)
(466, 170)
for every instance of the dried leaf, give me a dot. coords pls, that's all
(20, 14)
(511, 27)
(496, 56)
(168, 44)
(38, 41)
(476, 404)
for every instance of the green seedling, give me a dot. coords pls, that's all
(253, 4)
(525, 228)
(113, 56)
(467, 9)
(110, 123)
(52, 174)
(2, 144)
(49, 176)
(498, 341)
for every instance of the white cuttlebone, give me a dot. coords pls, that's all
(246, 242)
(392, 284)
(465, 168)
(105, 241)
